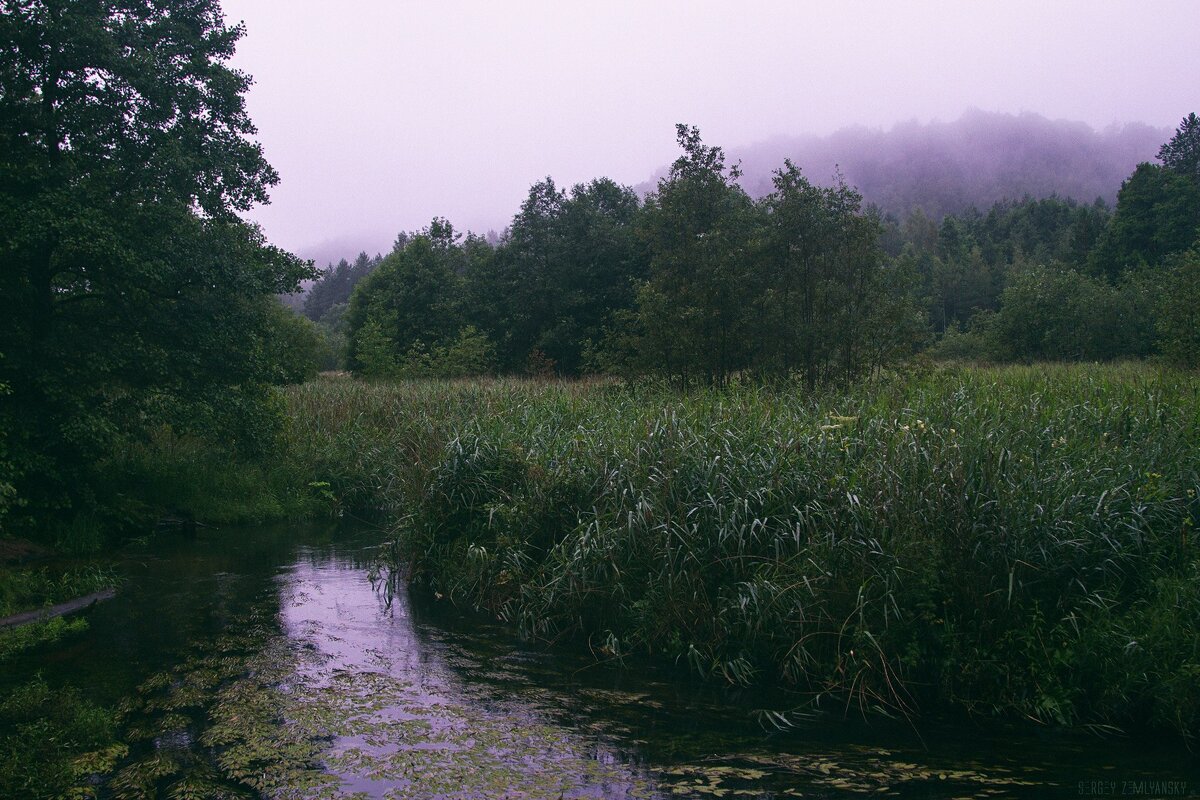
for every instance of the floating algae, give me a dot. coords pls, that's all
(313, 686)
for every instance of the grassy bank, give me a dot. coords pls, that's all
(51, 738)
(1015, 541)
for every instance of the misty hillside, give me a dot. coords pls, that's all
(946, 167)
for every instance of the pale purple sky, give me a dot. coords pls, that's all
(380, 115)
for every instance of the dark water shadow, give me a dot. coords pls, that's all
(268, 659)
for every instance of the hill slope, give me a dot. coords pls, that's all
(946, 167)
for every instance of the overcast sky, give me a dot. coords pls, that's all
(380, 114)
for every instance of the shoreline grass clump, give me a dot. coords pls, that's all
(1014, 541)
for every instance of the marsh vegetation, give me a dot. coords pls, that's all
(1013, 540)
(726, 436)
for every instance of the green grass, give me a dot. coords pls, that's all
(1015, 540)
(26, 588)
(189, 478)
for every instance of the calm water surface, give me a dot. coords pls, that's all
(267, 658)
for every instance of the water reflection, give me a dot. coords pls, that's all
(446, 728)
(266, 663)
(500, 719)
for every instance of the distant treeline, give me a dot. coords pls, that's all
(978, 160)
(700, 282)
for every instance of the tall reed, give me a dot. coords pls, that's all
(1015, 540)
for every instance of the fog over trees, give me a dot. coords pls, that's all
(939, 168)
(944, 168)
(699, 280)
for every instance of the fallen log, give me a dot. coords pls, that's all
(62, 609)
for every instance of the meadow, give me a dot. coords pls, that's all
(1015, 541)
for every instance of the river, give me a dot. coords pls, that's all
(273, 662)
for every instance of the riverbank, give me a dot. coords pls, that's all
(1013, 541)
(29, 585)
(1009, 541)
(47, 730)
(264, 661)
(36, 590)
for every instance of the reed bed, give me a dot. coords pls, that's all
(1016, 540)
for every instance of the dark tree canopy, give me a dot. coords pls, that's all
(135, 98)
(821, 280)
(699, 228)
(336, 284)
(132, 293)
(411, 299)
(1157, 215)
(1182, 154)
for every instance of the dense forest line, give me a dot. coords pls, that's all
(699, 281)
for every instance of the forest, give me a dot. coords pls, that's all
(882, 461)
(699, 282)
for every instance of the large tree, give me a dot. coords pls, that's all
(132, 293)
(601, 262)
(821, 280)
(699, 228)
(567, 264)
(411, 302)
(1158, 208)
(528, 264)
